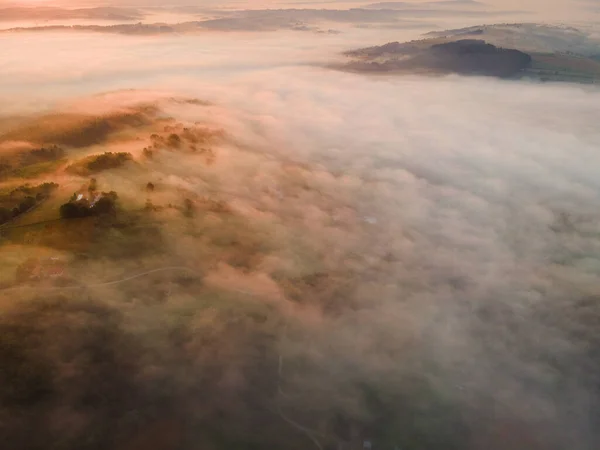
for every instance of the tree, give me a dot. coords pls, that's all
(106, 204)
(74, 210)
(93, 186)
(174, 141)
(189, 207)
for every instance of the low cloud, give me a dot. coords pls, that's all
(18, 13)
(360, 251)
(180, 19)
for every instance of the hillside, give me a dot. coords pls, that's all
(465, 57)
(505, 51)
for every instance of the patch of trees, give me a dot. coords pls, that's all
(17, 164)
(108, 161)
(97, 204)
(178, 137)
(43, 154)
(172, 141)
(23, 199)
(80, 130)
(99, 163)
(96, 130)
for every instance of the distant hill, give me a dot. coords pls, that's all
(55, 13)
(429, 4)
(465, 57)
(528, 37)
(531, 51)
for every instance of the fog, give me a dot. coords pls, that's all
(538, 10)
(412, 261)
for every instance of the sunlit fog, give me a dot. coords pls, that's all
(289, 225)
